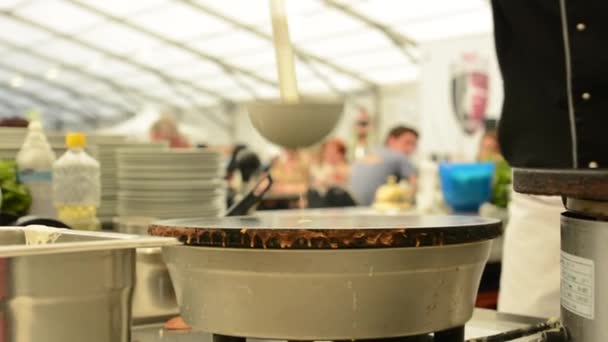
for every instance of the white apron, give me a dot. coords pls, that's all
(530, 280)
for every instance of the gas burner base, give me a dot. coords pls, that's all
(224, 338)
(450, 335)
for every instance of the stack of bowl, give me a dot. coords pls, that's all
(170, 183)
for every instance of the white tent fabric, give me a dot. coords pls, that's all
(111, 58)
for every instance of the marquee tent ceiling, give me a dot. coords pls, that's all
(105, 59)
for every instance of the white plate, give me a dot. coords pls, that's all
(130, 184)
(168, 200)
(168, 176)
(162, 166)
(161, 162)
(169, 165)
(172, 152)
(176, 210)
(172, 201)
(163, 214)
(171, 192)
(176, 203)
(173, 211)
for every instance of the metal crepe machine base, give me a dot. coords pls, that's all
(338, 294)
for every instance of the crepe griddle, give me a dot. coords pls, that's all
(329, 232)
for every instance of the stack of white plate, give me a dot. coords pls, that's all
(106, 155)
(104, 147)
(170, 184)
(8, 152)
(12, 135)
(56, 139)
(12, 138)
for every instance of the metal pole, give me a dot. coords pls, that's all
(286, 68)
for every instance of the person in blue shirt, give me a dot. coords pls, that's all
(392, 159)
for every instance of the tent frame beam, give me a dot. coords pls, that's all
(43, 101)
(300, 53)
(65, 89)
(119, 89)
(122, 58)
(397, 38)
(170, 81)
(216, 60)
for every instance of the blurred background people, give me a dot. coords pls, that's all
(290, 172)
(14, 121)
(392, 159)
(332, 170)
(243, 167)
(329, 177)
(489, 150)
(166, 129)
(362, 142)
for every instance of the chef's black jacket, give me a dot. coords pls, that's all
(535, 127)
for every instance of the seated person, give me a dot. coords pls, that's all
(243, 167)
(329, 177)
(166, 129)
(369, 173)
(290, 173)
(489, 150)
(332, 170)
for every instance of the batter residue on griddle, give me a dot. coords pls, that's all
(307, 239)
(329, 232)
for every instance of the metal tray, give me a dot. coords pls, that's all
(13, 242)
(153, 296)
(78, 288)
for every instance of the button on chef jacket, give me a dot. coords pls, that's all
(536, 125)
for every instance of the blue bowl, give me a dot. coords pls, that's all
(466, 186)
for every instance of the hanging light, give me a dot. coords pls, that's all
(95, 63)
(52, 73)
(16, 81)
(142, 54)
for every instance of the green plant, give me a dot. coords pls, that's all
(502, 184)
(16, 198)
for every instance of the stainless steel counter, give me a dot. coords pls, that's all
(484, 323)
(489, 322)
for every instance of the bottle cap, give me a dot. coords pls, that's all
(35, 125)
(75, 140)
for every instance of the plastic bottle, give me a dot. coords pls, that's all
(428, 187)
(35, 163)
(76, 185)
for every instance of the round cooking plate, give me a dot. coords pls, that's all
(586, 184)
(328, 232)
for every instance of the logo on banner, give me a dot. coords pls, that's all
(470, 90)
